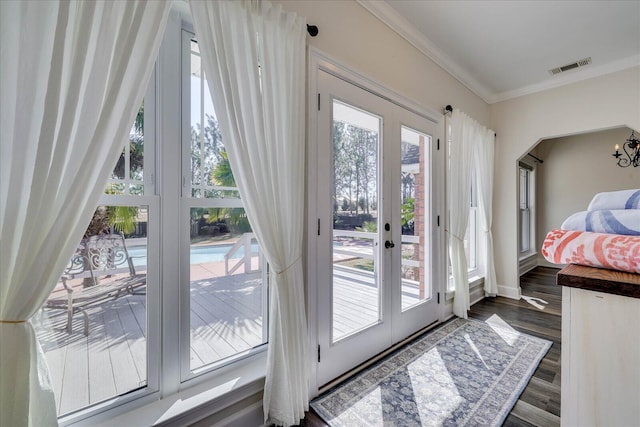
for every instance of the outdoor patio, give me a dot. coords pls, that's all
(225, 319)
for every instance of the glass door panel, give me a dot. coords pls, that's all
(414, 217)
(374, 189)
(356, 284)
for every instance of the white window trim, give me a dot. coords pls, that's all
(168, 396)
(532, 251)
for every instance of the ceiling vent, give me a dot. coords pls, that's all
(573, 65)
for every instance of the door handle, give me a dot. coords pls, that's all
(389, 244)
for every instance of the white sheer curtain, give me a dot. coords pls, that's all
(484, 160)
(73, 77)
(463, 133)
(253, 54)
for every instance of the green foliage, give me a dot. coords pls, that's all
(407, 216)
(136, 150)
(113, 218)
(123, 218)
(407, 211)
(222, 174)
(369, 226)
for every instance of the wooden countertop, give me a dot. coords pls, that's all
(600, 280)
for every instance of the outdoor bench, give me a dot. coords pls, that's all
(107, 270)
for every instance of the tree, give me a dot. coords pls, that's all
(122, 219)
(136, 150)
(222, 175)
(407, 215)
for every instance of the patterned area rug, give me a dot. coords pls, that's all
(465, 373)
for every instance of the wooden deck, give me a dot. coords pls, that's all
(356, 300)
(226, 318)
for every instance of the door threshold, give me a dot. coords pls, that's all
(364, 365)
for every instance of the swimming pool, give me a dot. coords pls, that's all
(197, 254)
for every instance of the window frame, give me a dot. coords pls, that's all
(187, 202)
(528, 201)
(473, 239)
(168, 311)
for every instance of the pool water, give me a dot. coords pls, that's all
(198, 254)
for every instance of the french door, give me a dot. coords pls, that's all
(376, 182)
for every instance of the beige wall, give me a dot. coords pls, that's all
(352, 35)
(575, 168)
(600, 103)
(355, 37)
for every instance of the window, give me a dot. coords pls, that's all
(526, 197)
(127, 333)
(226, 275)
(93, 328)
(471, 236)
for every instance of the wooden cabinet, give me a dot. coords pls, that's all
(600, 348)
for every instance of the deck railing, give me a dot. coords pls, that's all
(370, 253)
(244, 242)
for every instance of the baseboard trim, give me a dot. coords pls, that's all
(528, 263)
(509, 292)
(476, 292)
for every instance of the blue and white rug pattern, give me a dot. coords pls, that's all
(464, 373)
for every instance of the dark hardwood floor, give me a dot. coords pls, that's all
(538, 314)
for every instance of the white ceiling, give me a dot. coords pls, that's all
(505, 48)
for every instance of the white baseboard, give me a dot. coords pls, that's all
(528, 263)
(476, 293)
(509, 292)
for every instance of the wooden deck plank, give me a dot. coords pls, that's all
(75, 381)
(237, 331)
(226, 312)
(201, 330)
(135, 339)
(226, 317)
(124, 372)
(201, 352)
(102, 384)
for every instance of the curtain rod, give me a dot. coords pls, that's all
(538, 159)
(449, 109)
(312, 30)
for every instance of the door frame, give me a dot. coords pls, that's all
(319, 61)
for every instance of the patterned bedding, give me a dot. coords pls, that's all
(612, 251)
(618, 221)
(624, 199)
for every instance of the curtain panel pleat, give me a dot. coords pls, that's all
(471, 147)
(73, 77)
(484, 165)
(253, 55)
(459, 199)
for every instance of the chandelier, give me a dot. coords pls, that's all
(631, 155)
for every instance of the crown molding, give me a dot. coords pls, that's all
(569, 78)
(388, 15)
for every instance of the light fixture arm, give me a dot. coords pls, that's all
(631, 149)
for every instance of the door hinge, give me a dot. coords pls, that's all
(438, 144)
(318, 226)
(438, 297)
(318, 353)
(318, 102)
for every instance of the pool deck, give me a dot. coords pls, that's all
(226, 317)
